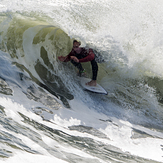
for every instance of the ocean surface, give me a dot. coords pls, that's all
(46, 116)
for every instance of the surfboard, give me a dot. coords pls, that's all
(95, 89)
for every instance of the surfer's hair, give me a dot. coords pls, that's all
(77, 42)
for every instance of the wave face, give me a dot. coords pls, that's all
(46, 115)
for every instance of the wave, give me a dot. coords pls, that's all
(30, 43)
(34, 46)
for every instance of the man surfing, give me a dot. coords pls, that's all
(79, 55)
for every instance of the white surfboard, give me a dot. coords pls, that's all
(95, 89)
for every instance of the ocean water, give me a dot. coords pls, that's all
(46, 116)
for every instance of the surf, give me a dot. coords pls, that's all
(44, 110)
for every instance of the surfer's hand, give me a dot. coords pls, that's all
(61, 58)
(74, 58)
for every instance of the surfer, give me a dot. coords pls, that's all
(79, 55)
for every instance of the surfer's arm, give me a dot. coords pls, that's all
(66, 58)
(89, 57)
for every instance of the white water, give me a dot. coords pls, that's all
(128, 35)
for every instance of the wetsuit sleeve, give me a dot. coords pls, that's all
(67, 58)
(89, 57)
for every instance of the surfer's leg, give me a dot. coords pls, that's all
(94, 69)
(78, 66)
(94, 73)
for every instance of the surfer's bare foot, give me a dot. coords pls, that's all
(92, 83)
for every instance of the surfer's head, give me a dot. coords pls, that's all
(76, 47)
(77, 42)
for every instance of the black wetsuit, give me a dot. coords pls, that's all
(84, 56)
